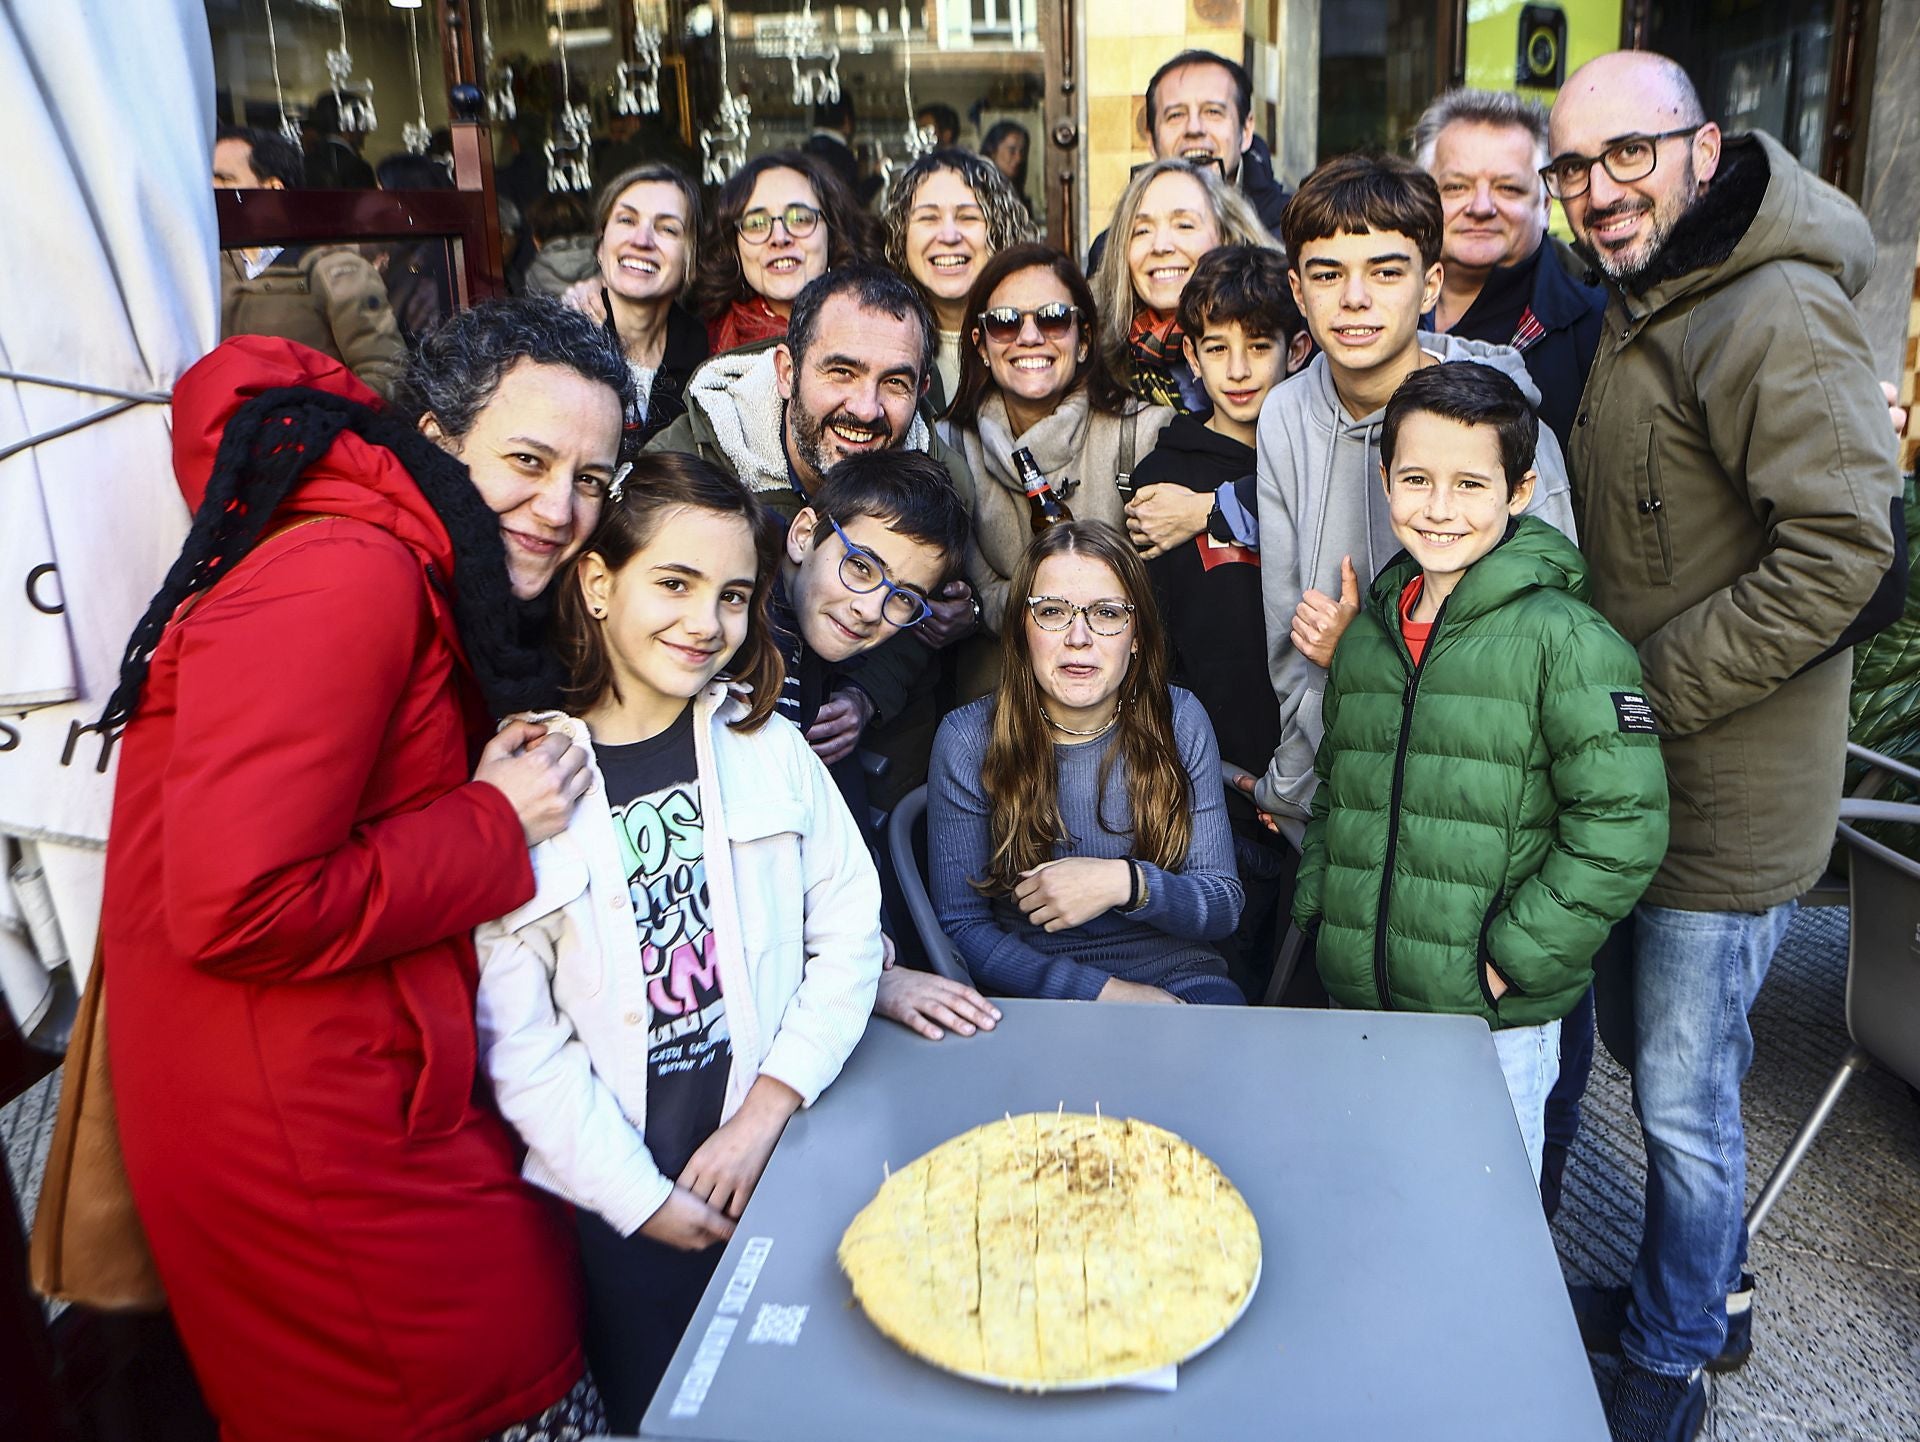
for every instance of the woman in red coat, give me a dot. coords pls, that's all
(301, 843)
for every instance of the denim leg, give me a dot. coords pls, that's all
(1530, 1060)
(1695, 977)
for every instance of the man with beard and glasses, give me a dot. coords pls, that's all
(847, 379)
(1735, 477)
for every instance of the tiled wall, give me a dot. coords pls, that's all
(1126, 41)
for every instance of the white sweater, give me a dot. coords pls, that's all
(563, 1009)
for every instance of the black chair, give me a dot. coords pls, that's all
(907, 846)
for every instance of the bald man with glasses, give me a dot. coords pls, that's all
(1735, 484)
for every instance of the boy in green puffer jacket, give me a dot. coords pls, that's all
(1491, 795)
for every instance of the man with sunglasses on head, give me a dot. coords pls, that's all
(847, 379)
(1735, 478)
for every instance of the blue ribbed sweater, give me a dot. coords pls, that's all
(1163, 944)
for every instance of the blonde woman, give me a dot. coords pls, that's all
(1170, 214)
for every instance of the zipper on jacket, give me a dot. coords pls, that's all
(1393, 799)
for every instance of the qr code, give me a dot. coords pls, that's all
(777, 1324)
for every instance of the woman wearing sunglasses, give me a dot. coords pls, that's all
(1031, 377)
(781, 220)
(1075, 818)
(1169, 216)
(946, 216)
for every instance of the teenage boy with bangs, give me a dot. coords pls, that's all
(1501, 721)
(880, 534)
(1244, 335)
(1363, 250)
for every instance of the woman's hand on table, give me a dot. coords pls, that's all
(1057, 895)
(540, 772)
(1118, 990)
(726, 1168)
(925, 1003)
(1163, 516)
(686, 1222)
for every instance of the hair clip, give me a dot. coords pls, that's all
(619, 481)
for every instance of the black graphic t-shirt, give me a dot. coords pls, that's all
(653, 791)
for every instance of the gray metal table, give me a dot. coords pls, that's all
(1409, 1284)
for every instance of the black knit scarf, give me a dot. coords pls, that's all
(266, 449)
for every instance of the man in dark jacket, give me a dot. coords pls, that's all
(1506, 281)
(1199, 108)
(1734, 473)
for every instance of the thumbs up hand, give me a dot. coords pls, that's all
(1319, 620)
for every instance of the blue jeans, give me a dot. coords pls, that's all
(1530, 1062)
(1695, 976)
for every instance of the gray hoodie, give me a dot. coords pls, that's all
(1321, 500)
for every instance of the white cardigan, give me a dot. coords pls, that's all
(563, 1009)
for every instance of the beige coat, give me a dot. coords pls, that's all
(1079, 450)
(327, 297)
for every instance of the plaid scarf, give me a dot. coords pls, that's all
(1153, 345)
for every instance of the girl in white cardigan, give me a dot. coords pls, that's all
(701, 952)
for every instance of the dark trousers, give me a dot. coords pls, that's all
(1563, 1102)
(640, 1296)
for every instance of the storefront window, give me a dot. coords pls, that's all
(1379, 68)
(1759, 65)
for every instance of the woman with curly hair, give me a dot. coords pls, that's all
(781, 220)
(946, 215)
(1170, 214)
(1076, 817)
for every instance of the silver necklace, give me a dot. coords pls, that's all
(1100, 730)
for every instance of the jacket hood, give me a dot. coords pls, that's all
(735, 398)
(1761, 206)
(1533, 556)
(355, 479)
(562, 261)
(1188, 435)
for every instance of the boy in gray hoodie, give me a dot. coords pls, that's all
(1363, 248)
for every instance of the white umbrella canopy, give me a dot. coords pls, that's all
(107, 281)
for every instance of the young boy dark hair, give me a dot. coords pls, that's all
(1486, 736)
(1363, 237)
(881, 533)
(1244, 335)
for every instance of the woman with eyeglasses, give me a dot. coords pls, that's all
(947, 214)
(1168, 217)
(1075, 818)
(1033, 378)
(781, 220)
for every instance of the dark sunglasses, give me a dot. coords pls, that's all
(1005, 322)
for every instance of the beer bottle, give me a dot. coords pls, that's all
(1046, 507)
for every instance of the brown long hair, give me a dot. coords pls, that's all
(976, 380)
(658, 483)
(720, 281)
(1020, 774)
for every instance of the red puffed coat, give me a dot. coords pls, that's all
(297, 859)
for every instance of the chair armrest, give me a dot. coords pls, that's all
(1874, 761)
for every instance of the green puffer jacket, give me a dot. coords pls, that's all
(1502, 803)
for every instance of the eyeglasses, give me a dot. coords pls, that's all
(1631, 159)
(861, 573)
(756, 225)
(1056, 613)
(1005, 322)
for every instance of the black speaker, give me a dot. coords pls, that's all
(1543, 47)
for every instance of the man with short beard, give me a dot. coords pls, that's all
(847, 378)
(1734, 476)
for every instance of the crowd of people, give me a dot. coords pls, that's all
(1361, 557)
